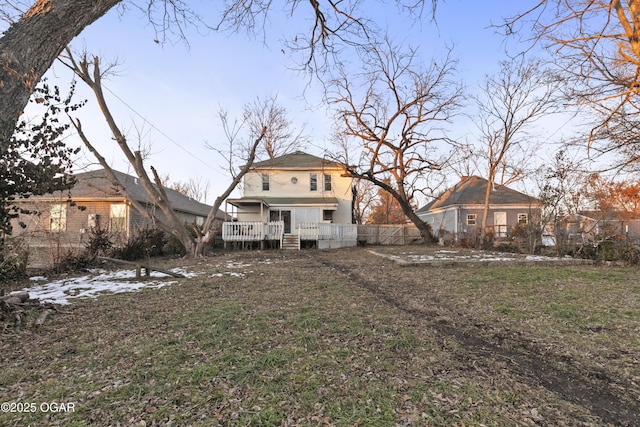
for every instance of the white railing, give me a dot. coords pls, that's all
(252, 231)
(308, 231)
(274, 231)
(327, 231)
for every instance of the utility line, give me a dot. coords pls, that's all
(161, 132)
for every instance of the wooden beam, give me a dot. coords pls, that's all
(138, 265)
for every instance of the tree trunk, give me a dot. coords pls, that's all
(29, 47)
(485, 212)
(202, 241)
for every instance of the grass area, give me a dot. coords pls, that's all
(338, 338)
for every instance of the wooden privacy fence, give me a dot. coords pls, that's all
(378, 234)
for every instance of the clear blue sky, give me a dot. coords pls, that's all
(179, 89)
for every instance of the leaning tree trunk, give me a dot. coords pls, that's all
(29, 47)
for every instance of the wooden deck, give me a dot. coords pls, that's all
(324, 235)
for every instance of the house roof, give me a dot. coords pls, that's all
(297, 160)
(97, 185)
(471, 191)
(607, 215)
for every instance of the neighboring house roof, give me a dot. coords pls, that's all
(609, 215)
(97, 185)
(297, 160)
(471, 191)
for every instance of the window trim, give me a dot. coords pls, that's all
(313, 182)
(526, 218)
(266, 184)
(472, 217)
(327, 182)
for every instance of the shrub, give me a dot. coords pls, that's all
(100, 242)
(73, 261)
(148, 242)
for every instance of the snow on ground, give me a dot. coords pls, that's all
(95, 283)
(98, 282)
(467, 256)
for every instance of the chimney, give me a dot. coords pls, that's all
(463, 178)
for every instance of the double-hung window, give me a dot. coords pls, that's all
(313, 182)
(471, 219)
(327, 182)
(265, 182)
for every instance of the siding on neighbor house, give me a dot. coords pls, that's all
(454, 220)
(47, 246)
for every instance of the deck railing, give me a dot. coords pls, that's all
(327, 231)
(252, 231)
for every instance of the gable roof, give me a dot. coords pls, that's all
(297, 160)
(97, 185)
(471, 191)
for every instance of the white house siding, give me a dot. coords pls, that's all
(296, 184)
(252, 213)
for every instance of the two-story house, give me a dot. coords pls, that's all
(298, 190)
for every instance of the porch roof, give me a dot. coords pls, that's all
(329, 202)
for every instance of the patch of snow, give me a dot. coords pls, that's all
(99, 282)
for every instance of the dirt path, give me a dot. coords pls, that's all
(482, 348)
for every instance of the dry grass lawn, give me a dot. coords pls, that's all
(342, 337)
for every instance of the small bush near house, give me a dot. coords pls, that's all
(73, 261)
(100, 242)
(148, 242)
(174, 247)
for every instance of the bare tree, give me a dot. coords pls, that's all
(511, 102)
(35, 39)
(194, 188)
(395, 115)
(239, 155)
(282, 137)
(596, 47)
(364, 198)
(561, 192)
(386, 210)
(90, 73)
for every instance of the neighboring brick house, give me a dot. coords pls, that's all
(63, 220)
(459, 209)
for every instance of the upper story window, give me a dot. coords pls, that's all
(313, 182)
(327, 182)
(58, 217)
(265, 182)
(523, 218)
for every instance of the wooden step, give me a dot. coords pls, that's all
(290, 241)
